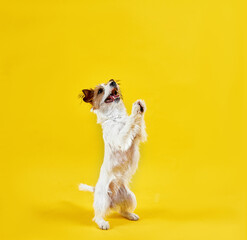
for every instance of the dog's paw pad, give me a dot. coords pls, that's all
(142, 106)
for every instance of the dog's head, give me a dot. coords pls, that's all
(102, 96)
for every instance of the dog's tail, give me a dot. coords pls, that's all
(85, 187)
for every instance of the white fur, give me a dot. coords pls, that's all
(121, 134)
(85, 187)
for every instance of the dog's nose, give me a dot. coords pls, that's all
(113, 83)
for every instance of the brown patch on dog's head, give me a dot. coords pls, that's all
(93, 96)
(88, 95)
(98, 95)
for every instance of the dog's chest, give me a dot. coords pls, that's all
(122, 162)
(119, 161)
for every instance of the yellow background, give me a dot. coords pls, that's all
(187, 59)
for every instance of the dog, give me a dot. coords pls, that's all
(122, 135)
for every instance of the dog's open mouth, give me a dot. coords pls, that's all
(114, 96)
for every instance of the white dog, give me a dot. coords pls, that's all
(121, 134)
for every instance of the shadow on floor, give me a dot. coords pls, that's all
(65, 212)
(188, 215)
(70, 213)
(73, 214)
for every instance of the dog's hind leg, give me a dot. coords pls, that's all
(101, 207)
(128, 204)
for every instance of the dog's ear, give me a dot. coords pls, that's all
(88, 95)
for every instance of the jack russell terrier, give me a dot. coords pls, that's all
(121, 134)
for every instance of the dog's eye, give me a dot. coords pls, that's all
(100, 91)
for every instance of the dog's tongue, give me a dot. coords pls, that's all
(113, 97)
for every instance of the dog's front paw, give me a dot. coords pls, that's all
(139, 107)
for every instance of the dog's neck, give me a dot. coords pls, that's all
(112, 113)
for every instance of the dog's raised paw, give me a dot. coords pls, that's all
(139, 107)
